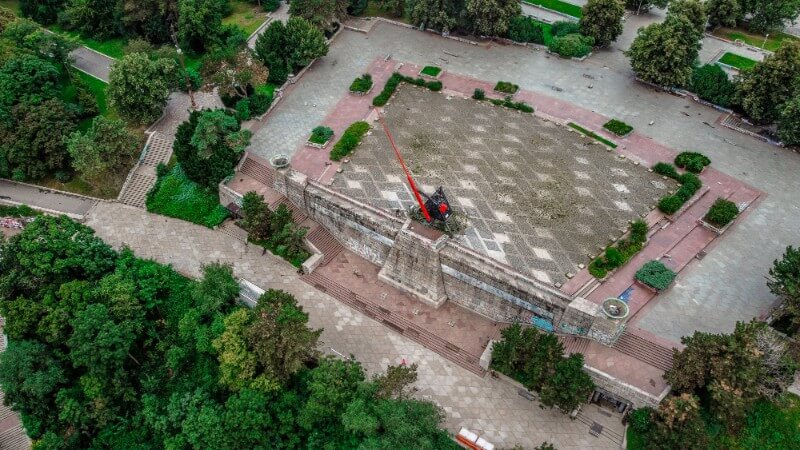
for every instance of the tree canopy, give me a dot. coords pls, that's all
(602, 20)
(107, 350)
(764, 89)
(139, 87)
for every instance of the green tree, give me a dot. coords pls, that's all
(694, 10)
(27, 79)
(492, 17)
(209, 144)
(332, 387)
(569, 387)
(42, 11)
(238, 74)
(642, 6)
(279, 336)
(434, 14)
(678, 424)
(663, 53)
(6, 17)
(34, 143)
(789, 122)
(139, 87)
(321, 13)
(763, 90)
(106, 147)
(306, 42)
(99, 19)
(31, 376)
(602, 20)
(723, 13)
(711, 83)
(150, 19)
(255, 217)
(770, 15)
(30, 38)
(200, 23)
(784, 281)
(396, 8)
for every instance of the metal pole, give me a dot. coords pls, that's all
(186, 77)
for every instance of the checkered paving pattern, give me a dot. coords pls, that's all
(538, 196)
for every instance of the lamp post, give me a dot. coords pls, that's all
(764, 45)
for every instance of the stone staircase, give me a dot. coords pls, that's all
(644, 350)
(157, 150)
(325, 243)
(257, 170)
(298, 215)
(399, 324)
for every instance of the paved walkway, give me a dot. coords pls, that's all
(92, 62)
(45, 199)
(486, 405)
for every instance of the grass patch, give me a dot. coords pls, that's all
(431, 71)
(557, 5)
(175, 195)
(98, 89)
(738, 61)
(773, 42)
(246, 16)
(113, 47)
(373, 10)
(592, 134)
(18, 211)
(13, 5)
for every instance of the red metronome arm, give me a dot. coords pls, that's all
(408, 174)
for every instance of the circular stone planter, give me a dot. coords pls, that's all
(615, 308)
(279, 161)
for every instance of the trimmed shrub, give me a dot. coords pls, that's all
(571, 45)
(349, 140)
(434, 85)
(362, 83)
(721, 213)
(639, 231)
(565, 27)
(260, 102)
(641, 419)
(692, 161)
(712, 84)
(388, 89)
(506, 87)
(243, 109)
(656, 275)
(690, 181)
(431, 71)
(618, 127)
(525, 29)
(18, 211)
(670, 204)
(666, 169)
(195, 79)
(597, 268)
(320, 135)
(614, 257)
(479, 94)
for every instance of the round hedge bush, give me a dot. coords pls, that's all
(721, 213)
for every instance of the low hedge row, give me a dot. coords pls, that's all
(620, 254)
(508, 103)
(721, 213)
(395, 80)
(18, 211)
(690, 184)
(656, 275)
(592, 134)
(349, 140)
(618, 127)
(362, 83)
(692, 161)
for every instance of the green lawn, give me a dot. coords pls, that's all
(246, 16)
(13, 5)
(773, 42)
(175, 195)
(557, 5)
(98, 88)
(740, 62)
(111, 47)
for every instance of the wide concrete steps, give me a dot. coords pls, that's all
(573, 344)
(399, 324)
(257, 170)
(325, 243)
(649, 352)
(298, 215)
(157, 151)
(604, 432)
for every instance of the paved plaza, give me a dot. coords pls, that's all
(710, 295)
(486, 405)
(538, 195)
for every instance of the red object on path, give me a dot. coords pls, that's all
(408, 174)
